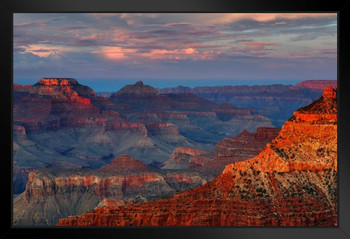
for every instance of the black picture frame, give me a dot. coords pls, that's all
(8, 7)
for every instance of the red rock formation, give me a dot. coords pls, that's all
(180, 181)
(317, 84)
(245, 141)
(51, 193)
(55, 82)
(136, 90)
(46, 104)
(144, 97)
(124, 172)
(126, 126)
(19, 132)
(221, 92)
(110, 202)
(313, 113)
(29, 107)
(276, 102)
(182, 157)
(54, 103)
(67, 86)
(83, 121)
(329, 92)
(114, 115)
(162, 129)
(125, 165)
(205, 114)
(53, 106)
(244, 146)
(37, 124)
(266, 134)
(20, 177)
(292, 182)
(106, 104)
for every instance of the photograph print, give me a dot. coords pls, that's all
(174, 119)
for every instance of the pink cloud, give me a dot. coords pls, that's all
(262, 17)
(128, 54)
(44, 51)
(41, 52)
(181, 54)
(176, 54)
(189, 51)
(93, 36)
(114, 52)
(258, 45)
(32, 24)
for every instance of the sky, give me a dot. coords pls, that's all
(192, 48)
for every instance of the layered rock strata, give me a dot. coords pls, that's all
(51, 194)
(292, 182)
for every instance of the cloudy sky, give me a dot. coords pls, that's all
(202, 46)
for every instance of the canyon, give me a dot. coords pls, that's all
(77, 152)
(229, 150)
(51, 193)
(291, 182)
(59, 123)
(277, 101)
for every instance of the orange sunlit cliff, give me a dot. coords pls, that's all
(292, 182)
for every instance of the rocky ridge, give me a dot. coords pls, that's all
(244, 146)
(182, 157)
(51, 194)
(292, 182)
(62, 106)
(210, 164)
(276, 102)
(136, 90)
(317, 84)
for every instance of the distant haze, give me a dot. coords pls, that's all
(108, 85)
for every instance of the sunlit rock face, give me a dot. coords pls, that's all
(229, 150)
(182, 158)
(51, 194)
(317, 84)
(292, 182)
(53, 103)
(244, 146)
